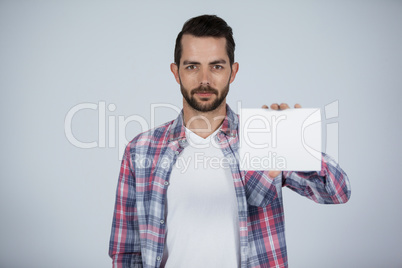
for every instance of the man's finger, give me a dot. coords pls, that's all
(284, 106)
(274, 106)
(297, 105)
(264, 107)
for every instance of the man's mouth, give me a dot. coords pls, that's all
(204, 94)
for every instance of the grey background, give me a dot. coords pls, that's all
(57, 200)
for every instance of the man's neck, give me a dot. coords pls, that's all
(203, 123)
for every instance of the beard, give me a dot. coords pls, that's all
(200, 105)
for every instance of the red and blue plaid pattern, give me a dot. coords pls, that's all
(138, 230)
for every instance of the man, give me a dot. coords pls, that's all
(174, 206)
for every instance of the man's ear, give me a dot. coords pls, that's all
(175, 70)
(235, 69)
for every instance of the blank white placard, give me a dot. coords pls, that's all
(280, 140)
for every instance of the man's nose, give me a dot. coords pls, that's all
(204, 77)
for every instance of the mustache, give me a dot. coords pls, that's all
(204, 89)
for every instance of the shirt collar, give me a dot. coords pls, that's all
(229, 125)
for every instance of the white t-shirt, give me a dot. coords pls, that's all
(202, 225)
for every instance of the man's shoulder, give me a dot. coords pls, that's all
(152, 136)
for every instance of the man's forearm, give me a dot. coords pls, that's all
(329, 186)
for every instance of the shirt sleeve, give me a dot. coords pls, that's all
(124, 247)
(330, 185)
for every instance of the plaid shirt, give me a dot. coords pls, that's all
(138, 230)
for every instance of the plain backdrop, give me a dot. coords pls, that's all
(57, 199)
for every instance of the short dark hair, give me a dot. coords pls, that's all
(206, 26)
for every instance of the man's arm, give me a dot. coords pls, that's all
(330, 185)
(125, 247)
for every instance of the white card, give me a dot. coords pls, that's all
(280, 140)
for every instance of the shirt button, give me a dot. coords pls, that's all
(162, 221)
(166, 183)
(177, 152)
(158, 258)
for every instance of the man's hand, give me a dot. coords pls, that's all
(282, 106)
(275, 106)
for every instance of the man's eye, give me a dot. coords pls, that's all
(218, 67)
(191, 67)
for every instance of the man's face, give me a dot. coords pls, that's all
(205, 73)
